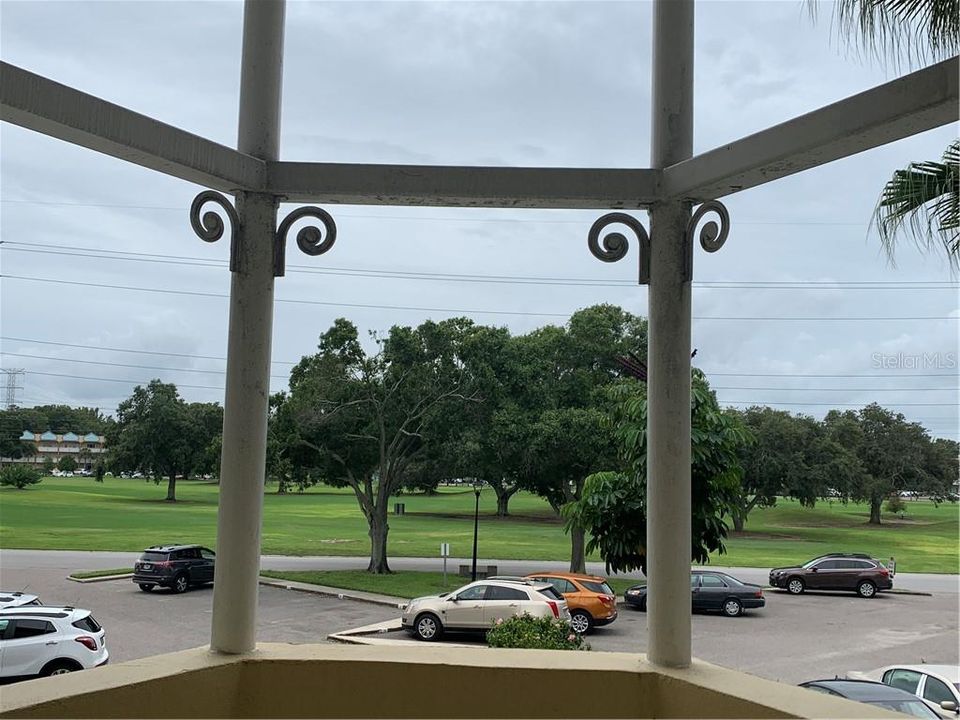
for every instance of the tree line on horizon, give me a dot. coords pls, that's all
(557, 412)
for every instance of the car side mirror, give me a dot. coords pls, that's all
(813, 569)
(948, 705)
(453, 598)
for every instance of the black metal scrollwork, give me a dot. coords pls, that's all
(712, 235)
(310, 239)
(209, 227)
(614, 245)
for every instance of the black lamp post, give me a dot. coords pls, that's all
(476, 525)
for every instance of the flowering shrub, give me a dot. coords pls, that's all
(543, 633)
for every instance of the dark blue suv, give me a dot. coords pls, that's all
(174, 566)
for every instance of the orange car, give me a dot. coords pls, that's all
(589, 598)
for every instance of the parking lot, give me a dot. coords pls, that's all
(794, 638)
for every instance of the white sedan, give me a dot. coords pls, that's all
(937, 685)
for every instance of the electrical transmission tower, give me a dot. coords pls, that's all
(10, 394)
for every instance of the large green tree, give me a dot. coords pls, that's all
(160, 434)
(613, 505)
(565, 373)
(894, 455)
(789, 456)
(361, 421)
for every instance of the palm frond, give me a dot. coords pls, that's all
(896, 30)
(924, 201)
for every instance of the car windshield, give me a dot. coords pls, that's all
(907, 707)
(597, 587)
(811, 563)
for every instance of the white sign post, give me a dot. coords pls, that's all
(444, 553)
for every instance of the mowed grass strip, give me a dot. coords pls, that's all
(87, 574)
(127, 514)
(407, 584)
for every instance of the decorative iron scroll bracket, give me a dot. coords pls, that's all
(712, 234)
(310, 239)
(614, 245)
(210, 226)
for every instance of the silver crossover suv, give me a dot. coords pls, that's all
(480, 605)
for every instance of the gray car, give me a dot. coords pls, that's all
(479, 605)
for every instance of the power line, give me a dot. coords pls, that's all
(872, 376)
(125, 365)
(97, 253)
(372, 216)
(126, 350)
(734, 402)
(370, 306)
(284, 377)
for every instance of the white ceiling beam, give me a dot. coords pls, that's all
(454, 186)
(917, 102)
(38, 103)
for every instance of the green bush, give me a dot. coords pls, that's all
(543, 633)
(19, 476)
(896, 505)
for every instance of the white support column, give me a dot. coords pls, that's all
(668, 361)
(243, 458)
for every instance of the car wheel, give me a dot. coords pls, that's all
(581, 622)
(146, 587)
(180, 583)
(643, 605)
(866, 589)
(732, 607)
(59, 667)
(795, 586)
(428, 627)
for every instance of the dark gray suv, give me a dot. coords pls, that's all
(174, 566)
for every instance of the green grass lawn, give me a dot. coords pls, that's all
(402, 584)
(85, 574)
(127, 514)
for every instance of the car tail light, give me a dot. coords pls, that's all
(758, 593)
(605, 599)
(884, 571)
(88, 642)
(554, 607)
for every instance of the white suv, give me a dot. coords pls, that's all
(479, 605)
(49, 641)
(17, 599)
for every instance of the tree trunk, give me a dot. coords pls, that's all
(281, 486)
(503, 498)
(738, 517)
(378, 540)
(172, 487)
(578, 563)
(875, 503)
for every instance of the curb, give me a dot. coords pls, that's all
(339, 593)
(101, 578)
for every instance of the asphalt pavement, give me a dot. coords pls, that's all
(71, 560)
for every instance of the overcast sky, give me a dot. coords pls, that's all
(489, 83)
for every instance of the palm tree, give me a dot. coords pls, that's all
(922, 200)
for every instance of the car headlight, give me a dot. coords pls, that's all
(633, 592)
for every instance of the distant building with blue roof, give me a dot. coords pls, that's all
(85, 449)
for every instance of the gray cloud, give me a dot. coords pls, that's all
(512, 83)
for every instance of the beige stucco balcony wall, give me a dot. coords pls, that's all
(296, 681)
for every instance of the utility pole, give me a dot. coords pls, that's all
(10, 394)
